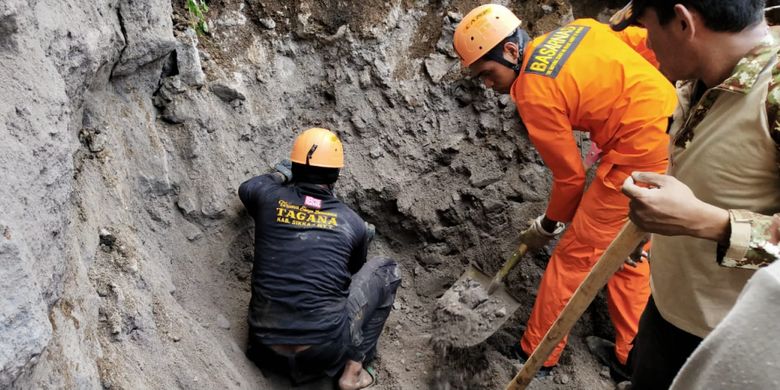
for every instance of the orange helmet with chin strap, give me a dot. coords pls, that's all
(482, 29)
(318, 147)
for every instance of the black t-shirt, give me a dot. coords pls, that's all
(307, 246)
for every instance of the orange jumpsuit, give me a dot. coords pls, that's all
(585, 77)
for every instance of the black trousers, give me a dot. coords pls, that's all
(371, 296)
(660, 350)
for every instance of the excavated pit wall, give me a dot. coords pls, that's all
(125, 251)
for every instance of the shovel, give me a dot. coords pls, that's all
(476, 305)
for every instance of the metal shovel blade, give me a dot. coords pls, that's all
(467, 315)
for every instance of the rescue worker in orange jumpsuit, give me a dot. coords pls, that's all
(585, 77)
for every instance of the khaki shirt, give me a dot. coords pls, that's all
(724, 149)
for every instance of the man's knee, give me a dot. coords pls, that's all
(386, 268)
(387, 276)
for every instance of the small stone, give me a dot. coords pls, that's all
(194, 235)
(437, 66)
(107, 239)
(188, 60)
(222, 322)
(397, 306)
(175, 337)
(604, 372)
(226, 92)
(562, 379)
(104, 233)
(358, 122)
(102, 291)
(365, 78)
(546, 8)
(267, 23)
(500, 313)
(230, 19)
(376, 152)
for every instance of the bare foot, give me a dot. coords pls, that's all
(354, 377)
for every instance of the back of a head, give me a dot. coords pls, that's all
(718, 15)
(317, 157)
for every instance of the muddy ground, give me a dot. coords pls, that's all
(144, 129)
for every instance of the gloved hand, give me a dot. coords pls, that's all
(536, 237)
(285, 168)
(370, 231)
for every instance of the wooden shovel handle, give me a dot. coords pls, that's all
(511, 263)
(608, 264)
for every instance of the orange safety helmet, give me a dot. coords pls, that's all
(482, 29)
(318, 147)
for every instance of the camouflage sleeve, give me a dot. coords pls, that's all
(773, 106)
(749, 245)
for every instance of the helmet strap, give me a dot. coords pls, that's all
(311, 152)
(519, 37)
(503, 61)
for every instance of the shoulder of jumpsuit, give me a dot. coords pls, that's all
(638, 37)
(535, 42)
(537, 89)
(537, 93)
(581, 66)
(747, 70)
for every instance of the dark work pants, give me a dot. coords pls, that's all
(660, 350)
(371, 296)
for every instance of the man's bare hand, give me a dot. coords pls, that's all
(775, 230)
(668, 207)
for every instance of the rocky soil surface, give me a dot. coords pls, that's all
(124, 251)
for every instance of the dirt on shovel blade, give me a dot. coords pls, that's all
(466, 315)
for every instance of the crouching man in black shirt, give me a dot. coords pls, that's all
(317, 306)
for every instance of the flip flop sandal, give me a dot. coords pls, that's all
(374, 376)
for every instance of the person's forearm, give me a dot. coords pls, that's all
(713, 224)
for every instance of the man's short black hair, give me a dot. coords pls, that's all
(718, 15)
